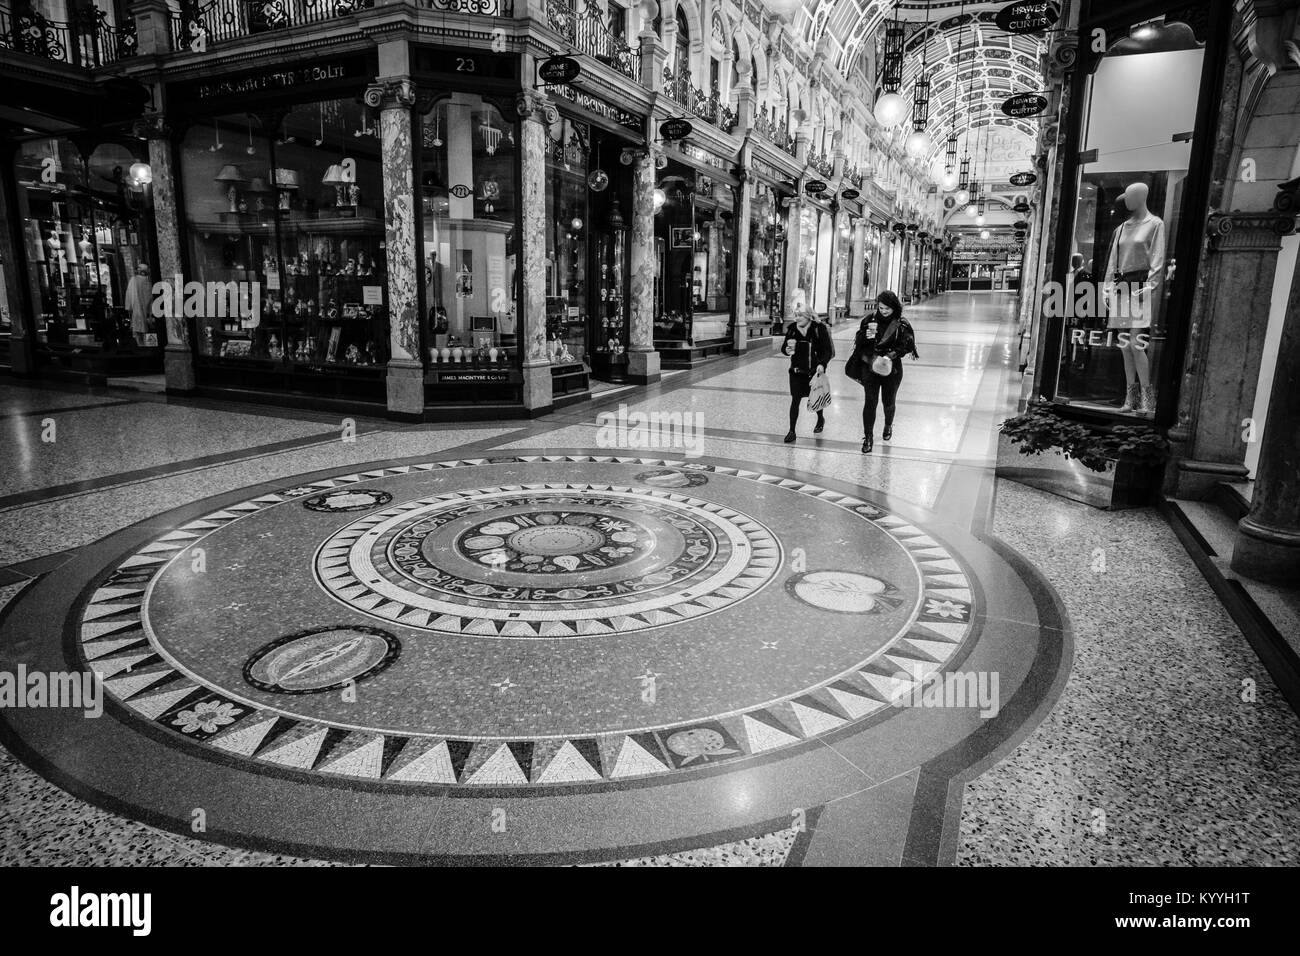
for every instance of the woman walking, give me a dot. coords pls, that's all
(808, 344)
(877, 362)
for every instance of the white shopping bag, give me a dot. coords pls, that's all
(819, 392)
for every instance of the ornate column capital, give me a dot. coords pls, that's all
(396, 93)
(1249, 231)
(535, 106)
(151, 126)
(1063, 55)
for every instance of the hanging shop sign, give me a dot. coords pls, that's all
(1020, 207)
(850, 193)
(814, 186)
(558, 71)
(1028, 16)
(1023, 105)
(1023, 179)
(671, 129)
(595, 105)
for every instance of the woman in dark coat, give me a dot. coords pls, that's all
(885, 333)
(808, 343)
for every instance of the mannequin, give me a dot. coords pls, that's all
(139, 299)
(1135, 271)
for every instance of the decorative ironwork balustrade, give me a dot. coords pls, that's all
(709, 107)
(589, 31)
(774, 134)
(87, 40)
(482, 8)
(199, 24)
(822, 164)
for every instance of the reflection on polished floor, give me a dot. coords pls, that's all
(518, 643)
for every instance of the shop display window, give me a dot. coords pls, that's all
(810, 219)
(588, 197)
(766, 264)
(85, 225)
(1136, 154)
(285, 210)
(695, 240)
(568, 234)
(468, 211)
(843, 258)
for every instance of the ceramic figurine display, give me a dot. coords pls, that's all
(446, 354)
(492, 354)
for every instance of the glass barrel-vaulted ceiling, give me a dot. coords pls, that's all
(963, 46)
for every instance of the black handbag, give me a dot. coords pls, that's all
(853, 367)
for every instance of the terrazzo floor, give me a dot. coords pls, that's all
(1137, 726)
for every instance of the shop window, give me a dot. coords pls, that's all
(695, 243)
(468, 211)
(809, 228)
(288, 206)
(1136, 154)
(843, 256)
(766, 264)
(588, 196)
(85, 236)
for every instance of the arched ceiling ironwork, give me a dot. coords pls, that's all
(964, 50)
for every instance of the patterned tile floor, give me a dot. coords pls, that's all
(1121, 736)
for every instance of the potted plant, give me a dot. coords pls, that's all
(1119, 467)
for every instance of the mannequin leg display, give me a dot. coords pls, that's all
(1142, 366)
(1132, 392)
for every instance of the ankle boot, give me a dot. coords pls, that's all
(1147, 400)
(1131, 398)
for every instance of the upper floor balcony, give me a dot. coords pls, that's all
(681, 90)
(196, 25)
(76, 32)
(593, 32)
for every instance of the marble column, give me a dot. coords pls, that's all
(740, 270)
(178, 357)
(833, 255)
(535, 112)
(642, 359)
(795, 252)
(1267, 547)
(395, 96)
(1225, 347)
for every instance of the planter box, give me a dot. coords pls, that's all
(1124, 484)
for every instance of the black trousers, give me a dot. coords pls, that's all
(881, 389)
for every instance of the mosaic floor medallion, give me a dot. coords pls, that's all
(525, 621)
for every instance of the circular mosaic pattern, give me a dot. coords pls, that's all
(321, 659)
(347, 501)
(551, 542)
(843, 642)
(571, 561)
